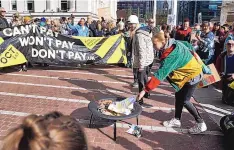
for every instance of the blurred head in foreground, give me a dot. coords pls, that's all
(54, 131)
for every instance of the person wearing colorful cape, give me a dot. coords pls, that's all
(184, 72)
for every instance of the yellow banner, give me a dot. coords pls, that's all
(11, 56)
(110, 41)
(118, 54)
(1, 40)
(89, 42)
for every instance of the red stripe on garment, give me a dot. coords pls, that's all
(167, 52)
(152, 84)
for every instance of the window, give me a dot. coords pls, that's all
(13, 5)
(64, 5)
(213, 7)
(30, 5)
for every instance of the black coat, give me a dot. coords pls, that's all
(3, 23)
(92, 29)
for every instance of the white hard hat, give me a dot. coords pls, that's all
(133, 19)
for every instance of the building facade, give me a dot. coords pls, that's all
(58, 8)
(190, 9)
(143, 9)
(227, 12)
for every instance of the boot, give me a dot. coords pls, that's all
(147, 95)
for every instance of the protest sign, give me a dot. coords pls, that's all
(209, 79)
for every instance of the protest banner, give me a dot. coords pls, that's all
(209, 79)
(40, 45)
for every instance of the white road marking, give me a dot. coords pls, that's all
(86, 68)
(71, 100)
(60, 87)
(89, 73)
(215, 108)
(61, 78)
(122, 125)
(45, 97)
(212, 112)
(87, 102)
(220, 91)
(75, 88)
(13, 113)
(153, 128)
(72, 79)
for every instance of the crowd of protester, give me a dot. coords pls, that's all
(214, 43)
(211, 41)
(66, 25)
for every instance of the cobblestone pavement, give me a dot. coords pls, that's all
(69, 90)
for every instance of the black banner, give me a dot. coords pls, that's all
(39, 45)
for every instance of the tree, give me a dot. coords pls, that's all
(129, 11)
(138, 12)
(148, 15)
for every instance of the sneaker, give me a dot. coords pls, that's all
(198, 128)
(172, 123)
(135, 84)
(24, 68)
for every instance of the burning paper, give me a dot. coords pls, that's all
(124, 106)
(119, 108)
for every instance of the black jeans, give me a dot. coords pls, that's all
(183, 100)
(142, 78)
(135, 73)
(150, 68)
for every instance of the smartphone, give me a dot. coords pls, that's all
(198, 33)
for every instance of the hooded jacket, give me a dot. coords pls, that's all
(142, 48)
(178, 65)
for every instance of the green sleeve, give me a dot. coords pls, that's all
(188, 45)
(169, 64)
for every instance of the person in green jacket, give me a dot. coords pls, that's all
(184, 72)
